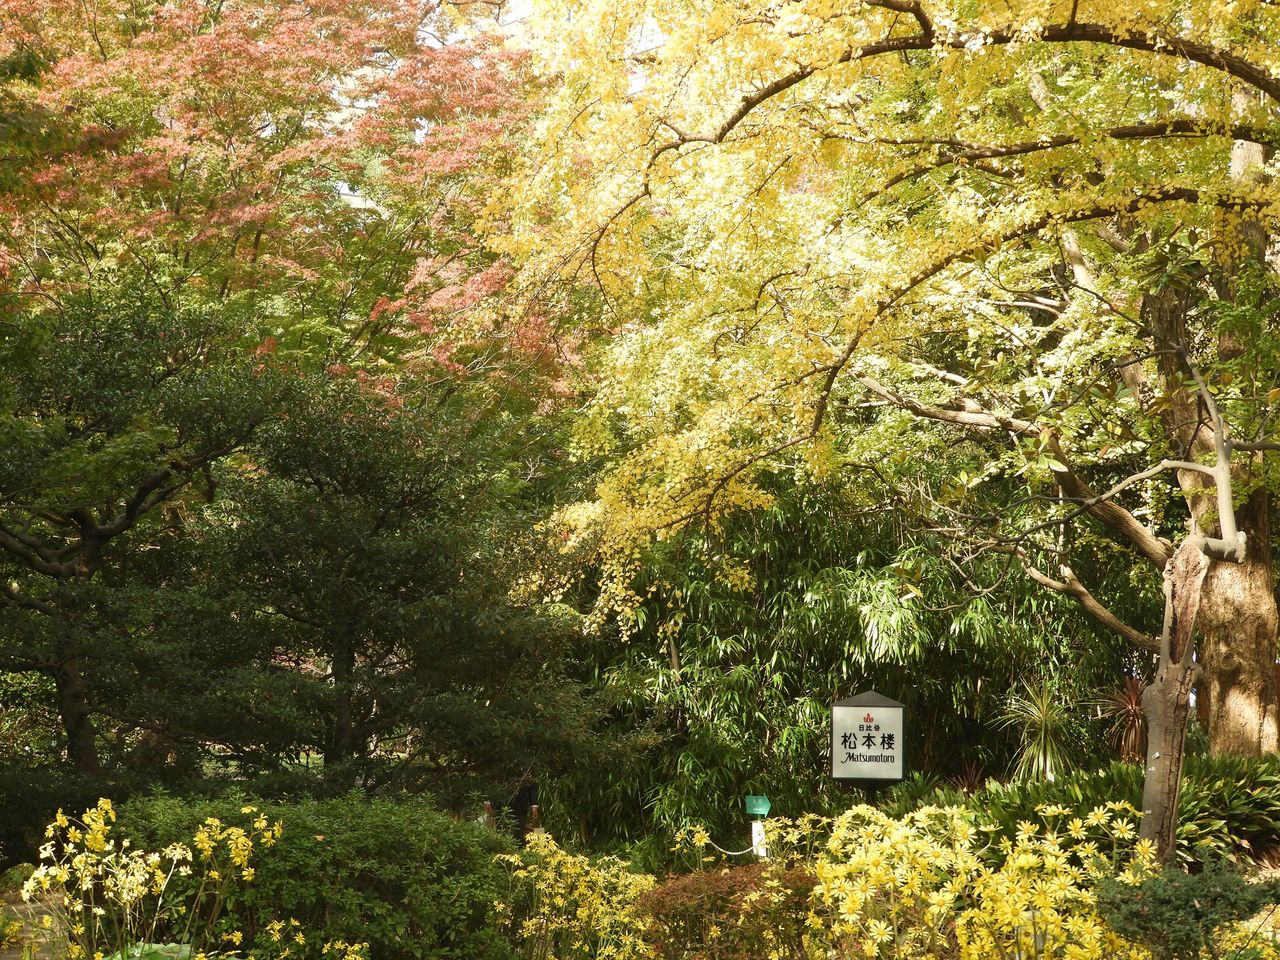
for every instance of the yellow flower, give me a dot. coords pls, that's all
(1122, 830)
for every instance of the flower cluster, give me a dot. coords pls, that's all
(890, 887)
(109, 899)
(566, 907)
(1039, 902)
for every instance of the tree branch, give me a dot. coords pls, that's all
(1072, 587)
(1100, 506)
(968, 152)
(928, 38)
(15, 597)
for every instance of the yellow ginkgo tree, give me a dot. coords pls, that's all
(828, 235)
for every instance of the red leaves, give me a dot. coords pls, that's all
(320, 157)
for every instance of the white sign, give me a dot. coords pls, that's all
(867, 739)
(759, 846)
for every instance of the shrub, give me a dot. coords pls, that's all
(1178, 915)
(889, 887)
(1040, 901)
(931, 885)
(395, 873)
(1228, 807)
(109, 898)
(733, 913)
(563, 906)
(29, 797)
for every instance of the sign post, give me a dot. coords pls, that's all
(758, 806)
(867, 740)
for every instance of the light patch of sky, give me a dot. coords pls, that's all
(646, 38)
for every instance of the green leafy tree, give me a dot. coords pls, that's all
(360, 542)
(111, 415)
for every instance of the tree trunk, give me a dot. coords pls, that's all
(1166, 703)
(1238, 618)
(73, 709)
(1238, 622)
(341, 744)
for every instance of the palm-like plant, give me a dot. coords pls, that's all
(1129, 731)
(1042, 724)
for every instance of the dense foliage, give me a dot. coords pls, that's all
(266, 470)
(1228, 807)
(394, 873)
(725, 688)
(1175, 914)
(571, 415)
(929, 884)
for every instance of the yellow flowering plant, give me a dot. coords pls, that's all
(109, 900)
(935, 884)
(890, 887)
(11, 930)
(565, 906)
(1040, 902)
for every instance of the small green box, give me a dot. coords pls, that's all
(758, 805)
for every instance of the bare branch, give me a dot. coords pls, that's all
(1231, 545)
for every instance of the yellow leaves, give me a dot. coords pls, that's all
(749, 191)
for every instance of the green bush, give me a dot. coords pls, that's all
(918, 790)
(394, 872)
(732, 913)
(1230, 807)
(1175, 914)
(29, 797)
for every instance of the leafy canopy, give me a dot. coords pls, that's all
(782, 204)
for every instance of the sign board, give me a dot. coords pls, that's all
(867, 733)
(758, 805)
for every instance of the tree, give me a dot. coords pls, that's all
(110, 416)
(357, 547)
(199, 202)
(1041, 225)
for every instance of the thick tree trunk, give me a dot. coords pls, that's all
(1238, 618)
(77, 721)
(1238, 622)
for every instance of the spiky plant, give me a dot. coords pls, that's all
(1042, 722)
(1129, 729)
